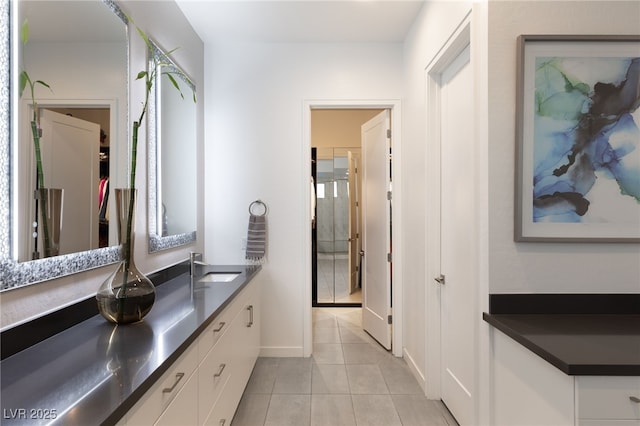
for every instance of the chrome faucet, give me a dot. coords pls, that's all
(193, 262)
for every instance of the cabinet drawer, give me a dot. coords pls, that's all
(224, 409)
(182, 410)
(221, 323)
(213, 333)
(213, 374)
(156, 400)
(608, 397)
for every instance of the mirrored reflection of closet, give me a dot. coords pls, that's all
(336, 236)
(76, 158)
(100, 192)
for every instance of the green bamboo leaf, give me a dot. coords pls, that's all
(175, 84)
(24, 33)
(173, 81)
(42, 83)
(141, 74)
(24, 78)
(144, 37)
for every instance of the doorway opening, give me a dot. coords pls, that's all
(336, 206)
(385, 324)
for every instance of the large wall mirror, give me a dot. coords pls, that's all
(80, 50)
(172, 148)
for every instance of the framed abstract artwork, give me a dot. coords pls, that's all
(578, 139)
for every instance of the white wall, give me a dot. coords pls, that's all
(165, 23)
(543, 267)
(436, 22)
(254, 149)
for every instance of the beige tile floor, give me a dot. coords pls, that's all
(349, 380)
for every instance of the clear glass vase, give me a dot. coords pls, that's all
(127, 295)
(50, 220)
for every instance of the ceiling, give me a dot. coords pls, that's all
(305, 21)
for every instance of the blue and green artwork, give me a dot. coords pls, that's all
(586, 140)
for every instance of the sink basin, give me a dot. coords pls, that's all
(219, 277)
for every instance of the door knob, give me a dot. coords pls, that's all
(440, 279)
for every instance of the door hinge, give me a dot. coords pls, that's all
(389, 319)
(388, 133)
(388, 257)
(389, 195)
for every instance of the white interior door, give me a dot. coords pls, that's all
(353, 222)
(70, 149)
(376, 218)
(457, 239)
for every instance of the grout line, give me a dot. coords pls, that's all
(346, 319)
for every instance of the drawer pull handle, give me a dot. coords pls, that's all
(179, 377)
(635, 399)
(220, 327)
(220, 370)
(250, 309)
(223, 422)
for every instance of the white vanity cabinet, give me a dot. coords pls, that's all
(225, 369)
(607, 400)
(181, 411)
(172, 397)
(207, 381)
(527, 390)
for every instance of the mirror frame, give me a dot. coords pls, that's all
(156, 241)
(15, 274)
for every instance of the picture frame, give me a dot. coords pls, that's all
(577, 174)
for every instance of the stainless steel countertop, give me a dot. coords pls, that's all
(94, 372)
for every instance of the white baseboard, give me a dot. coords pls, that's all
(414, 369)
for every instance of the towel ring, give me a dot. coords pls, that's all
(260, 203)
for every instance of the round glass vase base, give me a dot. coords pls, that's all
(125, 303)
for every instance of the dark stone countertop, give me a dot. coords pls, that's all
(95, 371)
(578, 344)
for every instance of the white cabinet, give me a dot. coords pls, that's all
(165, 392)
(205, 385)
(182, 410)
(213, 374)
(526, 389)
(225, 370)
(607, 400)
